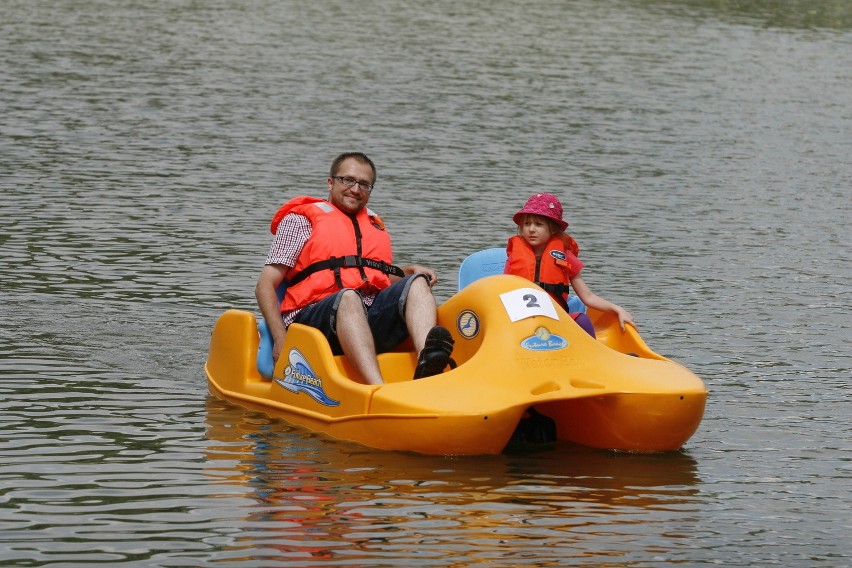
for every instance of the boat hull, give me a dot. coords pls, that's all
(613, 392)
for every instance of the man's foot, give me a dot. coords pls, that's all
(436, 353)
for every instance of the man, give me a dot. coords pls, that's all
(336, 258)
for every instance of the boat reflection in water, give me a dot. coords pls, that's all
(322, 498)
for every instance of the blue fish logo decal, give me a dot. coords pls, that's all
(300, 377)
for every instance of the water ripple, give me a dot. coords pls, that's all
(700, 149)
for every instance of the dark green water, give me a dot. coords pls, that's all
(701, 149)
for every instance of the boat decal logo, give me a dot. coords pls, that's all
(300, 377)
(468, 324)
(543, 340)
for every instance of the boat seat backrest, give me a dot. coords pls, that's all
(265, 364)
(480, 264)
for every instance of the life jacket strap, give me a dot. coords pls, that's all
(560, 288)
(335, 263)
(561, 291)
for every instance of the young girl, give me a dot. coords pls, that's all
(545, 254)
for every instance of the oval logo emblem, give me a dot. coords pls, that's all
(468, 324)
(543, 340)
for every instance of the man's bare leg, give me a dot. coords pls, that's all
(355, 337)
(420, 315)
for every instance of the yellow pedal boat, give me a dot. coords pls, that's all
(515, 348)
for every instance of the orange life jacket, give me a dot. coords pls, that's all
(553, 271)
(343, 251)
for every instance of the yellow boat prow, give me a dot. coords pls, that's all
(515, 349)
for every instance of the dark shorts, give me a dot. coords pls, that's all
(386, 316)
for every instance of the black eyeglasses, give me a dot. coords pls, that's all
(350, 181)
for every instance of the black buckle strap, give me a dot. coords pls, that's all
(381, 265)
(351, 261)
(560, 288)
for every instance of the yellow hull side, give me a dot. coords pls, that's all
(598, 395)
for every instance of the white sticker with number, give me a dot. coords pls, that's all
(528, 302)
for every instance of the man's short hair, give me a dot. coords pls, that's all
(335, 165)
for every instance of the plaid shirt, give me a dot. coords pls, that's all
(293, 232)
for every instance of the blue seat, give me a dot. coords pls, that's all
(491, 261)
(265, 365)
(481, 264)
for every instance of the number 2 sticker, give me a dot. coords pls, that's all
(528, 302)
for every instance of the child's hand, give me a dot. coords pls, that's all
(624, 317)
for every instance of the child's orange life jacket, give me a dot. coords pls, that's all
(552, 271)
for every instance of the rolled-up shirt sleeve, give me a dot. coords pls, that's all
(292, 234)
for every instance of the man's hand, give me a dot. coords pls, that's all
(415, 269)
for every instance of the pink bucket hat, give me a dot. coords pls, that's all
(544, 204)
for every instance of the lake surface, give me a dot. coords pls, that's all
(702, 151)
